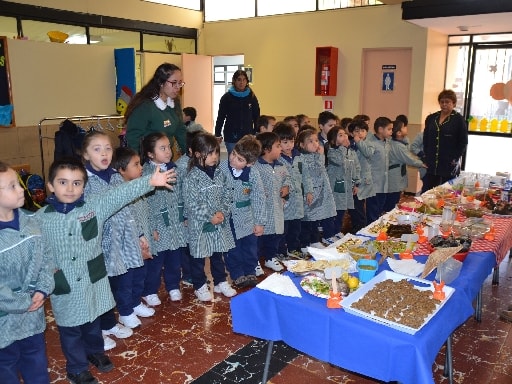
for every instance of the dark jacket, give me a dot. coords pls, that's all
(238, 115)
(444, 144)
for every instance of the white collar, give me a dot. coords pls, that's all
(160, 104)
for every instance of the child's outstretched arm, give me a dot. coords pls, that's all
(163, 179)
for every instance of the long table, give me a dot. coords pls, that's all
(355, 343)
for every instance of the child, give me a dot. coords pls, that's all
(326, 120)
(166, 224)
(189, 118)
(276, 182)
(399, 157)
(97, 153)
(248, 215)
(300, 186)
(303, 120)
(207, 203)
(344, 172)
(376, 150)
(358, 129)
(266, 123)
(321, 211)
(26, 280)
(294, 122)
(82, 292)
(128, 235)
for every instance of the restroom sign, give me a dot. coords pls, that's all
(328, 105)
(388, 81)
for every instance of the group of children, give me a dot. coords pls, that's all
(117, 223)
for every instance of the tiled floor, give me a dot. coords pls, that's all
(192, 342)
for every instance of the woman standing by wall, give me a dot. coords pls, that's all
(239, 111)
(156, 108)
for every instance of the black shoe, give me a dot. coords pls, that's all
(101, 361)
(252, 281)
(83, 377)
(241, 282)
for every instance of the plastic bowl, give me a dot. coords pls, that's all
(360, 252)
(57, 36)
(367, 269)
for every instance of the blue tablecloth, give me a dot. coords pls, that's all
(355, 343)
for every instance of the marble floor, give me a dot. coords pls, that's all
(192, 342)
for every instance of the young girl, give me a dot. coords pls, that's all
(207, 203)
(399, 157)
(166, 223)
(344, 172)
(322, 209)
(97, 153)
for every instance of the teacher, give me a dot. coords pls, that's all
(156, 108)
(239, 111)
(444, 140)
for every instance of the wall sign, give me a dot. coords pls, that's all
(388, 77)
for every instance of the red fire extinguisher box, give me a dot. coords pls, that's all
(326, 71)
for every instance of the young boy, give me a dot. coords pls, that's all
(266, 123)
(26, 280)
(82, 291)
(376, 150)
(300, 185)
(276, 182)
(326, 120)
(189, 118)
(248, 215)
(293, 121)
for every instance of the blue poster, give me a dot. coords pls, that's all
(125, 74)
(388, 81)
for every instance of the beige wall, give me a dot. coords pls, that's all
(281, 49)
(127, 9)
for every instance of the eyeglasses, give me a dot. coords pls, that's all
(176, 84)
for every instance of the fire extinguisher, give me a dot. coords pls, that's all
(324, 79)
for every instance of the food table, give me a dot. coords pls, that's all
(355, 343)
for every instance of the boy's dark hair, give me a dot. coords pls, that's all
(397, 126)
(263, 121)
(203, 144)
(357, 123)
(267, 140)
(300, 118)
(190, 112)
(284, 130)
(66, 163)
(287, 119)
(149, 142)
(325, 116)
(381, 122)
(362, 117)
(4, 167)
(249, 148)
(122, 157)
(345, 122)
(306, 127)
(332, 135)
(189, 137)
(403, 119)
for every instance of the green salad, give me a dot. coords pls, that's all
(316, 285)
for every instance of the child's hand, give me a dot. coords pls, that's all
(357, 138)
(258, 230)
(156, 236)
(354, 190)
(320, 149)
(162, 179)
(285, 191)
(37, 302)
(217, 218)
(309, 198)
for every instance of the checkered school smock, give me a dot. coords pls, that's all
(399, 157)
(376, 151)
(344, 172)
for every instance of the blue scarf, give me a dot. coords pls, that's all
(104, 174)
(64, 207)
(236, 93)
(261, 160)
(353, 144)
(13, 224)
(209, 170)
(295, 152)
(244, 176)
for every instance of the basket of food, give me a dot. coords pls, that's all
(57, 36)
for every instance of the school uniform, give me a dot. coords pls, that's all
(181, 171)
(300, 186)
(166, 218)
(376, 152)
(26, 267)
(247, 210)
(205, 194)
(344, 174)
(322, 210)
(399, 158)
(275, 176)
(82, 291)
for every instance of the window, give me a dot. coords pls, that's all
(38, 30)
(272, 7)
(335, 4)
(189, 4)
(229, 9)
(115, 38)
(8, 27)
(168, 44)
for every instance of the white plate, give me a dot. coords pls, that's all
(305, 285)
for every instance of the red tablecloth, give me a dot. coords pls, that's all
(501, 244)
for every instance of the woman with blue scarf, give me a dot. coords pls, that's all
(238, 111)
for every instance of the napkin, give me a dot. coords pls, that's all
(279, 284)
(409, 267)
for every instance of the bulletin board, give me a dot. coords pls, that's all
(6, 111)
